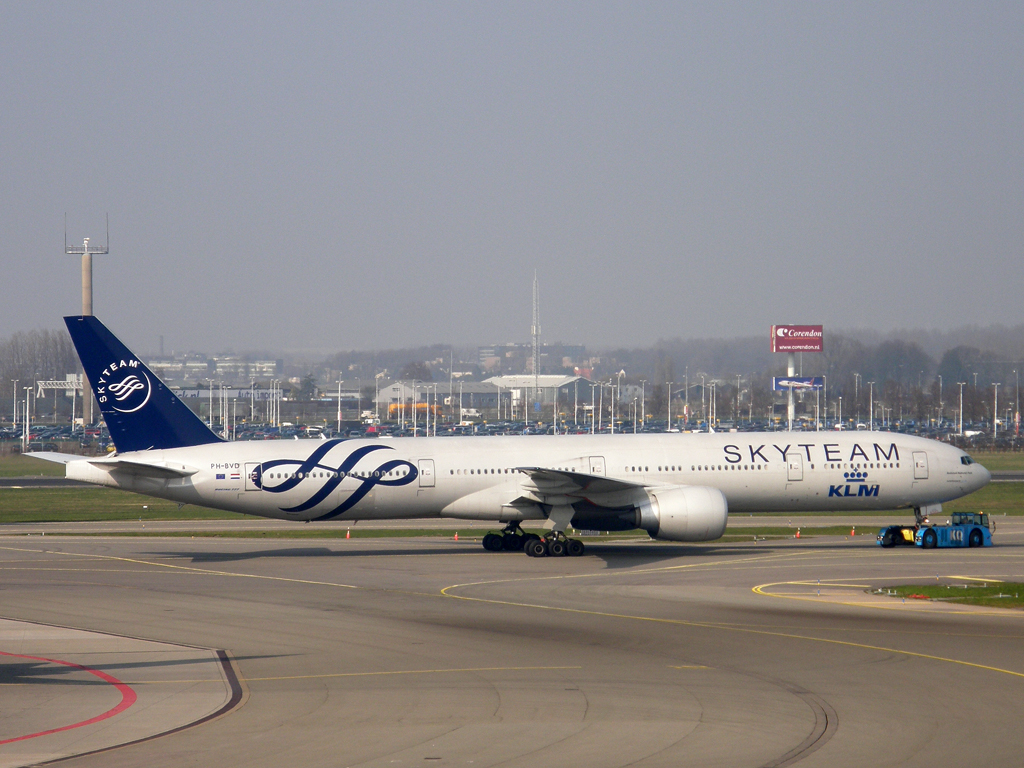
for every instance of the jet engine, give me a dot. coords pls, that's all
(686, 513)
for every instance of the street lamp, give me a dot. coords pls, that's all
(856, 393)
(339, 407)
(736, 418)
(871, 407)
(14, 418)
(643, 400)
(211, 402)
(995, 412)
(703, 412)
(668, 428)
(1016, 402)
(961, 383)
(617, 395)
(28, 419)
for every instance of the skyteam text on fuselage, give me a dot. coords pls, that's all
(677, 487)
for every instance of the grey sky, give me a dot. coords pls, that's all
(376, 174)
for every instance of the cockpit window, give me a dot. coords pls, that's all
(966, 460)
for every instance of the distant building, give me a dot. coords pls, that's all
(518, 358)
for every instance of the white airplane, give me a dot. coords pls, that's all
(677, 487)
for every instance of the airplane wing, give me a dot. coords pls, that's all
(559, 482)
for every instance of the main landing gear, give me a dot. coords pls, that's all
(555, 544)
(513, 538)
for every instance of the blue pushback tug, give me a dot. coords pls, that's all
(964, 529)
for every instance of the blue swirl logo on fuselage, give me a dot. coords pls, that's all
(300, 470)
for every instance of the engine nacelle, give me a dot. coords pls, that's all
(688, 513)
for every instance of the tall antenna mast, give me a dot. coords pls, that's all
(86, 251)
(535, 332)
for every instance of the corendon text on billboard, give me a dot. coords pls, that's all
(796, 338)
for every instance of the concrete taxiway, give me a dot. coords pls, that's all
(374, 652)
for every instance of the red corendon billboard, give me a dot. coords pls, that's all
(796, 338)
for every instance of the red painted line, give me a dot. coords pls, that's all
(128, 697)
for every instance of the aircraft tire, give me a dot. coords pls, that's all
(575, 547)
(493, 542)
(556, 548)
(512, 542)
(536, 548)
(976, 539)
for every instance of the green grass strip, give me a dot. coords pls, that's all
(992, 594)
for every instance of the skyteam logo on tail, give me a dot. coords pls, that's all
(123, 386)
(856, 485)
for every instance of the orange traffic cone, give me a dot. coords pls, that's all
(853, 531)
(798, 533)
(348, 533)
(456, 535)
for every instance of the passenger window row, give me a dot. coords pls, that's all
(362, 475)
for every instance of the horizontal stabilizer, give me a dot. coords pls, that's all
(59, 458)
(163, 470)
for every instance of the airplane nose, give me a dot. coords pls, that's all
(984, 476)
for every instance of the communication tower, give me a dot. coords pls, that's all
(86, 251)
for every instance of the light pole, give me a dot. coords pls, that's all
(995, 412)
(28, 417)
(686, 395)
(14, 417)
(940, 399)
(643, 401)
(856, 394)
(669, 427)
(871, 407)
(703, 412)
(339, 407)
(840, 409)
(1016, 405)
(961, 383)
(415, 403)
(737, 414)
(210, 382)
(376, 395)
(617, 395)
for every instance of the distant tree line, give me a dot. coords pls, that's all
(907, 379)
(31, 356)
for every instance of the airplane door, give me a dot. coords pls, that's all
(426, 471)
(795, 467)
(920, 465)
(597, 465)
(250, 477)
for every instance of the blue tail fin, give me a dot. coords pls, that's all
(140, 411)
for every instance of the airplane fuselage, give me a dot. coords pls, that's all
(483, 478)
